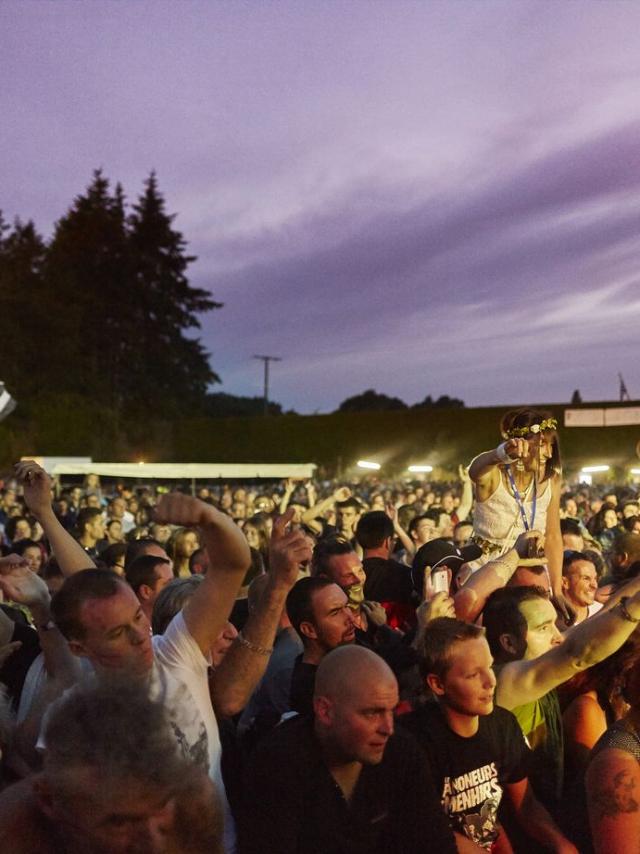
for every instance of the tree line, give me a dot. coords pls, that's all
(103, 312)
(104, 309)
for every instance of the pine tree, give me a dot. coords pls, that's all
(24, 317)
(165, 306)
(88, 274)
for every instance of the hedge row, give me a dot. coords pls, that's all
(439, 437)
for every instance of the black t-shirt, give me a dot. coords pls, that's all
(303, 682)
(470, 773)
(294, 806)
(387, 581)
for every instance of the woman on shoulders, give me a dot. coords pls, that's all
(517, 488)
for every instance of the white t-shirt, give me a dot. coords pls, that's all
(179, 678)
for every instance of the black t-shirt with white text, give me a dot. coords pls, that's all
(470, 773)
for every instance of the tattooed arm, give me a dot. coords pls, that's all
(613, 796)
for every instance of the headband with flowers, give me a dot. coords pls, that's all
(521, 432)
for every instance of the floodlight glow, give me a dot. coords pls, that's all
(635, 471)
(594, 469)
(420, 468)
(363, 464)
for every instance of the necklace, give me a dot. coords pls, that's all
(528, 525)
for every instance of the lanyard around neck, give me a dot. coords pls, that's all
(520, 501)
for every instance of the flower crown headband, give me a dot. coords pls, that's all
(521, 432)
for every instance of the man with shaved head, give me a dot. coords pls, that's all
(344, 782)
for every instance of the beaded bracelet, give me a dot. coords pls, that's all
(261, 650)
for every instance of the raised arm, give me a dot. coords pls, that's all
(553, 540)
(339, 494)
(407, 543)
(466, 499)
(521, 682)
(36, 485)
(208, 609)
(244, 664)
(471, 598)
(483, 466)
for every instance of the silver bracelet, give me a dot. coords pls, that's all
(261, 650)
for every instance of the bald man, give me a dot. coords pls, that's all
(344, 782)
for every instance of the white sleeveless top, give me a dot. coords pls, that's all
(498, 519)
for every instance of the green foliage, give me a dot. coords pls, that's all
(371, 401)
(221, 405)
(443, 402)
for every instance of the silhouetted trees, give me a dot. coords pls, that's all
(372, 401)
(105, 308)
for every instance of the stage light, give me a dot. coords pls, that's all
(364, 464)
(420, 468)
(594, 469)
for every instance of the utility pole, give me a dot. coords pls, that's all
(266, 360)
(624, 394)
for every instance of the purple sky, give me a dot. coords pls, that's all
(423, 198)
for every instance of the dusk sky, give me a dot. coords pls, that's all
(421, 198)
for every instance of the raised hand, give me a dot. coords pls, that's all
(175, 508)
(517, 449)
(527, 542)
(341, 493)
(375, 612)
(36, 485)
(440, 606)
(19, 584)
(288, 549)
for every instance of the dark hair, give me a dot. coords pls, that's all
(137, 547)
(373, 529)
(596, 524)
(300, 600)
(22, 545)
(570, 557)
(51, 569)
(76, 590)
(526, 417)
(11, 525)
(259, 522)
(625, 543)
(85, 517)
(114, 727)
(143, 571)
(439, 636)
(324, 550)
(596, 559)
(629, 523)
(349, 502)
(502, 615)
(171, 599)
(431, 515)
(113, 553)
(570, 526)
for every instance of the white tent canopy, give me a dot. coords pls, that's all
(184, 471)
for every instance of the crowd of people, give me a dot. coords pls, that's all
(322, 667)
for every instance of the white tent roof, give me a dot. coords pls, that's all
(186, 471)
